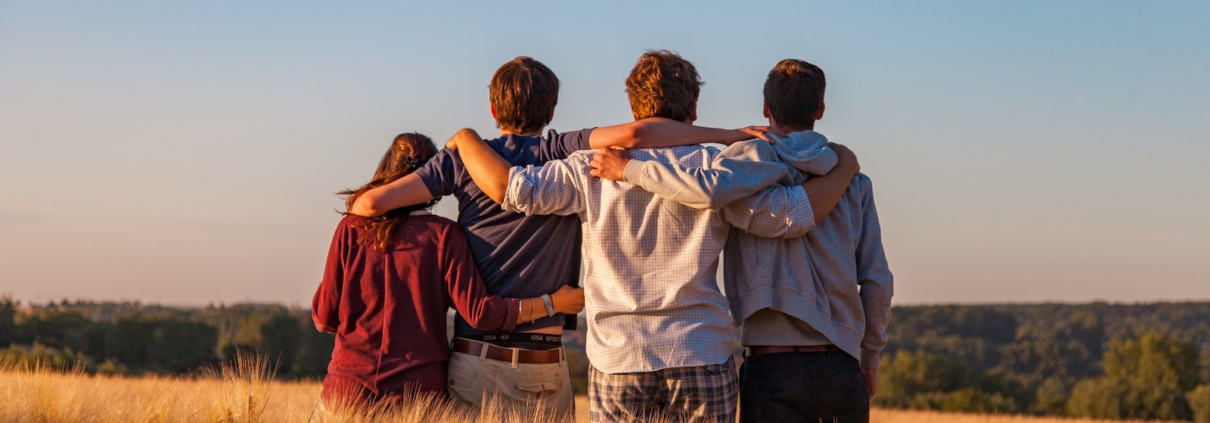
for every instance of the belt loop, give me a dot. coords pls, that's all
(562, 354)
(483, 351)
(516, 355)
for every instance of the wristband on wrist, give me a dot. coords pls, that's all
(550, 308)
(532, 318)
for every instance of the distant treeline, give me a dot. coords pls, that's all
(132, 339)
(1147, 361)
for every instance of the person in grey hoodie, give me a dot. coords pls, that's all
(814, 309)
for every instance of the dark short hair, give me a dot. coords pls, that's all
(662, 84)
(524, 93)
(794, 92)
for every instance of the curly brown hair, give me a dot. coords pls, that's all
(663, 84)
(408, 152)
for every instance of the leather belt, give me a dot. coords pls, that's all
(474, 348)
(774, 349)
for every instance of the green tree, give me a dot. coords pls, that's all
(1144, 379)
(314, 354)
(280, 340)
(8, 316)
(1199, 402)
(1205, 362)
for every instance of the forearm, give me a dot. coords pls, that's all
(874, 276)
(324, 311)
(775, 212)
(531, 309)
(824, 192)
(553, 188)
(737, 172)
(877, 306)
(325, 304)
(566, 300)
(661, 132)
(406, 191)
(486, 167)
(876, 296)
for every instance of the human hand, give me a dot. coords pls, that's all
(763, 132)
(610, 163)
(871, 379)
(847, 159)
(568, 300)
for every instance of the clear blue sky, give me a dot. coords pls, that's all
(187, 153)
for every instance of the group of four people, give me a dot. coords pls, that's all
(649, 211)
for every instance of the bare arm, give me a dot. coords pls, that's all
(466, 293)
(567, 300)
(487, 169)
(825, 191)
(661, 132)
(403, 192)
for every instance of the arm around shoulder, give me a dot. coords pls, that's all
(406, 191)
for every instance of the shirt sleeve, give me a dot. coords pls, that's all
(775, 212)
(874, 277)
(738, 171)
(554, 188)
(558, 146)
(325, 306)
(438, 174)
(465, 291)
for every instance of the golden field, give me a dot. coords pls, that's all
(246, 394)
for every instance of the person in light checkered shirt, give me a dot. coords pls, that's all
(660, 336)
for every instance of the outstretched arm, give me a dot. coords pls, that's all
(734, 176)
(662, 132)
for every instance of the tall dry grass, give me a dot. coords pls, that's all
(245, 392)
(239, 392)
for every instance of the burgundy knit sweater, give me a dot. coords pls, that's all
(388, 309)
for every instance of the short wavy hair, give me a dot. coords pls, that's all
(524, 93)
(663, 84)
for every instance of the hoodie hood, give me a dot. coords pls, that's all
(806, 151)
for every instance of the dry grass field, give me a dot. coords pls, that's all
(245, 394)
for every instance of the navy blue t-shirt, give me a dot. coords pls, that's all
(518, 256)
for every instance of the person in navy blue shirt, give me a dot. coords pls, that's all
(523, 256)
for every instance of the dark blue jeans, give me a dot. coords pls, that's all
(803, 386)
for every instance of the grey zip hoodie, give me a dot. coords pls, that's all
(835, 278)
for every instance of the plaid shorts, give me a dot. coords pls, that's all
(680, 394)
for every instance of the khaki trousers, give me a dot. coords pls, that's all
(530, 390)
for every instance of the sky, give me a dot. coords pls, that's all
(187, 152)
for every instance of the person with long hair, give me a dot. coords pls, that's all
(387, 286)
